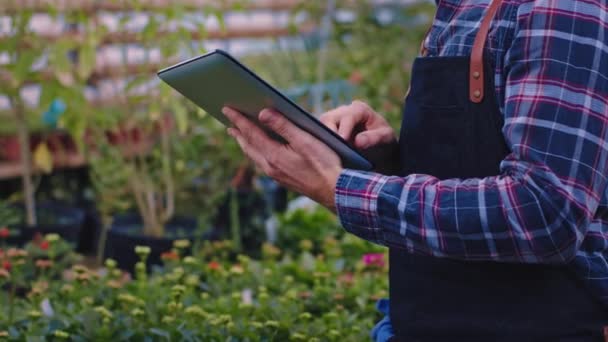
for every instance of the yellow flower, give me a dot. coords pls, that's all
(142, 251)
(196, 310)
(137, 312)
(205, 295)
(271, 324)
(87, 301)
(52, 237)
(298, 337)
(181, 244)
(190, 260)
(3, 333)
(61, 334)
(333, 333)
(257, 325)
(237, 269)
(103, 312)
(305, 316)
(168, 319)
(127, 298)
(67, 288)
(192, 280)
(306, 245)
(79, 269)
(110, 264)
(34, 314)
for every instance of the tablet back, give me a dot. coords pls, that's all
(216, 79)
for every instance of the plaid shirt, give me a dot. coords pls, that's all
(550, 202)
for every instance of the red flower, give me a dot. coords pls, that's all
(4, 232)
(214, 265)
(373, 260)
(6, 265)
(171, 255)
(44, 245)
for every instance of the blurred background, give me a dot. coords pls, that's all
(94, 148)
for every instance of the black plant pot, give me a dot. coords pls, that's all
(52, 218)
(126, 233)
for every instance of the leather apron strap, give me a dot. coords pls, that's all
(476, 69)
(476, 76)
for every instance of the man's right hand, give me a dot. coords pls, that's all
(360, 125)
(368, 132)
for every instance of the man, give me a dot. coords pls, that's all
(497, 223)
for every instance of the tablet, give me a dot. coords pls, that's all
(216, 79)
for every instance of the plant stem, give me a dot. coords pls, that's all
(235, 224)
(26, 161)
(11, 304)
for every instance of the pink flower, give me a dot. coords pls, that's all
(4, 232)
(373, 260)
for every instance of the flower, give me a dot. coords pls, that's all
(181, 244)
(305, 316)
(190, 260)
(105, 313)
(4, 232)
(171, 255)
(3, 333)
(52, 237)
(306, 245)
(67, 288)
(374, 260)
(195, 310)
(237, 269)
(44, 245)
(137, 312)
(34, 314)
(111, 264)
(271, 324)
(61, 334)
(142, 251)
(44, 263)
(4, 273)
(214, 265)
(6, 265)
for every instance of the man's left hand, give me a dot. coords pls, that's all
(303, 164)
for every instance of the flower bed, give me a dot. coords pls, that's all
(213, 295)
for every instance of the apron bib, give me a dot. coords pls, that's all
(452, 129)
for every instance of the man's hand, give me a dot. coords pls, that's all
(367, 131)
(360, 125)
(303, 164)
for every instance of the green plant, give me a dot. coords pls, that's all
(165, 149)
(58, 79)
(208, 296)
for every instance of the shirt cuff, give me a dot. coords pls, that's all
(356, 199)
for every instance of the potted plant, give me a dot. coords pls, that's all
(150, 150)
(57, 79)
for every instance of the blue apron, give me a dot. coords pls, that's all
(450, 131)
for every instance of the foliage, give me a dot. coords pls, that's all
(327, 295)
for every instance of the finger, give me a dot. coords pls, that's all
(329, 121)
(237, 118)
(346, 126)
(279, 124)
(250, 131)
(384, 135)
(249, 150)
